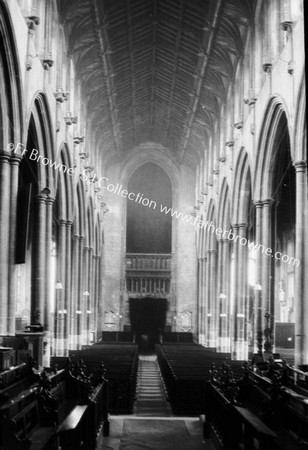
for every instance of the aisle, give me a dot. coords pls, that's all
(150, 397)
(152, 426)
(165, 433)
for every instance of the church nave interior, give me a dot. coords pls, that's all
(153, 224)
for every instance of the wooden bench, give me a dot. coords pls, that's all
(186, 371)
(121, 364)
(254, 428)
(25, 425)
(72, 432)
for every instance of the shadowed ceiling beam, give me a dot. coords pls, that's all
(132, 63)
(153, 61)
(175, 64)
(102, 38)
(201, 77)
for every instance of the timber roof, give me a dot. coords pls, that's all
(155, 70)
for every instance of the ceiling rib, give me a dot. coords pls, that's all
(153, 62)
(200, 77)
(132, 64)
(101, 36)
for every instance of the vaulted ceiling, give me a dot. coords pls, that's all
(155, 70)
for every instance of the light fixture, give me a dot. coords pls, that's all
(59, 285)
(78, 311)
(257, 287)
(86, 293)
(222, 296)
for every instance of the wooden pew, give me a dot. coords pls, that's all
(121, 364)
(255, 429)
(281, 408)
(25, 425)
(72, 432)
(186, 371)
(35, 404)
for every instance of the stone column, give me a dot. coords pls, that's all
(258, 331)
(203, 300)
(85, 298)
(213, 298)
(48, 287)
(4, 239)
(301, 308)
(95, 294)
(68, 284)
(266, 269)
(80, 293)
(242, 292)
(89, 311)
(220, 264)
(38, 300)
(207, 308)
(235, 299)
(14, 162)
(226, 291)
(61, 277)
(75, 292)
(199, 303)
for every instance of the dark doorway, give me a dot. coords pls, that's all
(148, 318)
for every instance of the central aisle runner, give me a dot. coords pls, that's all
(166, 433)
(151, 398)
(152, 426)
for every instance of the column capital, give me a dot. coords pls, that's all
(243, 225)
(15, 159)
(258, 203)
(50, 200)
(63, 222)
(44, 195)
(300, 166)
(4, 156)
(268, 202)
(212, 251)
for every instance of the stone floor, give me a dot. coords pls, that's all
(159, 433)
(153, 426)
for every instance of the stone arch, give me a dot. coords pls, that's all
(300, 131)
(11, 109)
(161, 157)
(275, 115)
(241, 195)
(80, 210)
(64, 185)
(11, 140)
(40, 119)
(223, 217)
(211, 238)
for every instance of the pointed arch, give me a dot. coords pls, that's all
(241, 195)
(223, 217)
(11, 105)
(274, 128)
